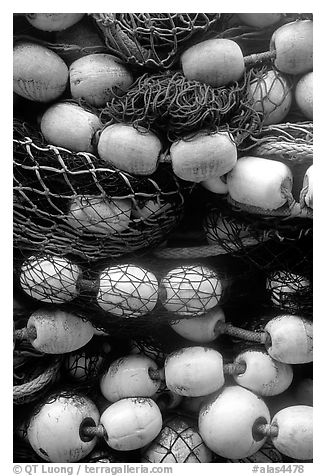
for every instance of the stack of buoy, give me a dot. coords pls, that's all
(104, 397)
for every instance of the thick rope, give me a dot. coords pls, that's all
(29, 390)
(271, 431)
(294, 153)
(25, 333)
(203, 251)
(234, 368)
(112, 32)
(257, 59)
(244, 334)
(156, 374)
(286, 212)
(94, 431)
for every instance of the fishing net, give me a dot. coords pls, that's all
(178, 442)
(137, 300)
(291, 144)
(174, 106)
(72, 203)
(267, 454)
(156, 40)
(253, 248)
(151, 39)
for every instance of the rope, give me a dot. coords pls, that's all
(203, 251)
(285, 212)
(294, 153)
(112, 32)
(234, 368)
(156, 374)
(244, 334)
(93, 431)
(29, 390)
(259, 58)
(268, 430)
(27, 333)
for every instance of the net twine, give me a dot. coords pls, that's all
(175, 107)
(48, 178)
(291, 292)
(174, 437)
(151, 39)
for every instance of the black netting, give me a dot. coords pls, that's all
(178, 442)
(72, 203)
(290, 292)
(269, 244)
(267, 454)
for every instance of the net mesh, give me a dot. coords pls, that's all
(178, 442)
(275, 243)
(72, 203)
(290, 292)
(267, 454)
(87, 364)
(151, 39)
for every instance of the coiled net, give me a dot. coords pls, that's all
(72, 203)
(175, 107)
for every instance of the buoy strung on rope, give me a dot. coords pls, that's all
(54, 331)
(67, 426)
(291, 431)
(194, 372)
(54, 431)
(218, 62)
(287, 338)
(235, 423)
(190, 290)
